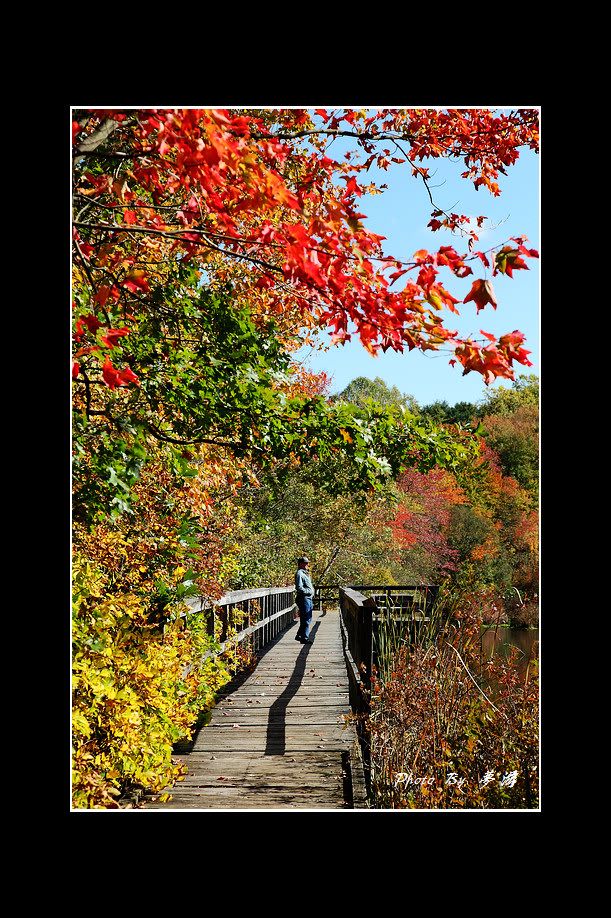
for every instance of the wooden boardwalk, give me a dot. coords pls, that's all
(282, 739)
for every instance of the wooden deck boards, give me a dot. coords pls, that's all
(281, 740)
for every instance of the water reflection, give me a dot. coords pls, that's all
(497, 641)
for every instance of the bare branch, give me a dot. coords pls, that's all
(180, 238)
(160, 436)
(98, 137)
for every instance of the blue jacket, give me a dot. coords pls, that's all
(303, 584)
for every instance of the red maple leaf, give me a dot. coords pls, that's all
(102, 295)
(136, 282)
(126, 376)
(508, 260)
(481, 293)
(110, 374)
(114, 377)
(91, 322)
(112, 336)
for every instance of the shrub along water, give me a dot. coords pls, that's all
(448, 729)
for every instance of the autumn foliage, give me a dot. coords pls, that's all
(208, 246)
(423, 517)
(242, 195)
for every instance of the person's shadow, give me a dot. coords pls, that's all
(276, 724)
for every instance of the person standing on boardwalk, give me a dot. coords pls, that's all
(304, 588)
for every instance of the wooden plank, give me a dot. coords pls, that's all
(266, 801)
(299, 715)
(256, 703)
(279, 720)
(275, 770)
(338, 680)
(288, 795)
(268, 687)
(327, 672)
(277, 744)
(241, 735)
(318, 694)
(298, 685)
(317, 761)
(276, 710)
(282, 670)
(316, 701)
(294, 780)
(338, 676)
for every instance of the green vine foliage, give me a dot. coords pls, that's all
(209, 374)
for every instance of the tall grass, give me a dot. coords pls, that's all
(449, 729)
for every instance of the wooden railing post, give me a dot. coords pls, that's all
(224, 617)
(357, 615)
(210, 619)
(431, 598)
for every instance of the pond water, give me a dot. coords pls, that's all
(498, 641)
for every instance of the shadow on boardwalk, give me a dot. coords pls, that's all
(185, 746)
(276, 726)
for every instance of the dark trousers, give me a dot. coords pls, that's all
(305, 606)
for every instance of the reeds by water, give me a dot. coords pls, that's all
(448, 728)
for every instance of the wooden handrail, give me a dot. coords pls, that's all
(359, 621)
(274, 605)
(394, 587)
(357, 613)
(200, 603)
(246, 632)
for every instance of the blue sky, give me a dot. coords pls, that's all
(401, 214)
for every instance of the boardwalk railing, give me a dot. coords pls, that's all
(416, 600)
(259, 615)
(365, 621)
(361, 617)
(356, 619)
(326, 595)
